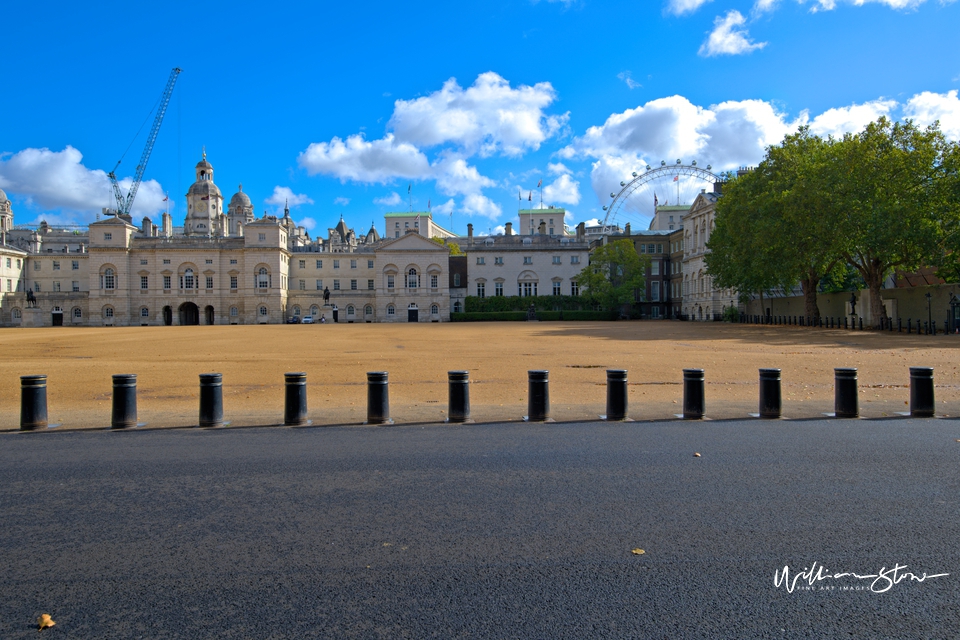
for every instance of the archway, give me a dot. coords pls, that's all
(189, 314)
(413, 313)
(167, 316)
(208, 312)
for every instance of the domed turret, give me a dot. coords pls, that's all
(204, 202)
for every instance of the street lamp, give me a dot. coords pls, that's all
(929, 313)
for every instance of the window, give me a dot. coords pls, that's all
(574, 259)
(315, 311)
(77, 313)
(16, 314)
(390, 310)
(208, 261)
(144, 282)
(262, 237)
(336, 264)
(370, 285)
(319, 264)
(263, 311)
(659, 248)
(574, 289)
(481, 290)
(368, 310)
(166, 282)
(303, 285)
(498, 260)
(642, 248)
(350, 310)
(655, 268)
(397, 225)
(144, 312)
(369, 264)
(233, 261)
(390, 282)
(187, 280)
(527, 259)
(456, 307)
(108, 312)
(56, 265)
(353, 264)
(528, 289)
(480, 260)
(336, 285)
(263, 278)
(456, 279)
(434, 281)
(556, 288)
(108, 236)
(650, 248)
(74, 286)
(296, 311)
(234, 312)
(353, 285)
(56, 285)
(108, 280)
(319, 285)
(36, 287)
(166, 261)
(75, 262)
(143, 261)
(413, 280)
(434, 310)
(234, 283)
(655, 291)
(36, 266)
(498, 288)
(9, 284)
(9, 261)
(655, 312)
(303, 264)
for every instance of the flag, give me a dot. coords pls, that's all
(530, 196)
(428, 203)
(409, 186)
(676, 178)
(540, 184)
(519, 195)
(165, 198)
(655, 204)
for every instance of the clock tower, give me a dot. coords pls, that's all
(204, 203)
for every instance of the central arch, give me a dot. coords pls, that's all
(189, 314)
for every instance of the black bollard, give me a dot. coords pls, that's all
(909, 325)
(846, 400)
(922, 403)
(861, 324)
(693, 400)
(211, 399)
(538, 401)
(295, 399)
(770, 400)
(846, 325)
(124, 413)
(378, 398)
(459, 396)
(616, 394)
(933, 327)
(33, 402)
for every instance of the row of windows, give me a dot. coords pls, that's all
(336, 264)
(526, 289)
(74, 265)
(74, 286)
(498, 260)
(649, 248)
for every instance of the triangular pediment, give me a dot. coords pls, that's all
(413, 242)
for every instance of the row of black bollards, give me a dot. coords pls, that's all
(33, 394)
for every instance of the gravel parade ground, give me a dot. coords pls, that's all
(253, 359)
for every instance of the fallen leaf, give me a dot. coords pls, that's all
(638, 552)
(45, 621)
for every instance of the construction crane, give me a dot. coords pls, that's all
(124, 204)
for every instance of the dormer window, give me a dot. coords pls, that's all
(108, 236)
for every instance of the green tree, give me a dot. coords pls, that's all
(894, 183)
(454, 248)
(614, 276)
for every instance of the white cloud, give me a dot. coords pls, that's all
(852, 119)
(557, 168)
(488, 117)
(455, 177)
(307, 223)
(282, 196)
(479, 205)
(445, 208)
(341, 201)
(830, 5)
(357, 159)
(563, 190)
(682, 7)
(499, 230)
(763, 6)
(727, 38)
(628, 79)
(391, 200)
(927, 107)
(59, 180)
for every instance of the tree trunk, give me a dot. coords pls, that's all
(874, 279)
(809, 285)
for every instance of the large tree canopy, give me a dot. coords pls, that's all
(615, 274)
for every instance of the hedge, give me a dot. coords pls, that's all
(501, 316)
(494, 316)
(520, 303)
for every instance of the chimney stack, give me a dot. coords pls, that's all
(470, 233)
(581, 231)
(542, 230)
(508, 229)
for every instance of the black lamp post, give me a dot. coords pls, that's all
(929, 313)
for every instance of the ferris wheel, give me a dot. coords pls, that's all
(665, 185)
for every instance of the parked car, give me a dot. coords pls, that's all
(307, 320)
(293, 320)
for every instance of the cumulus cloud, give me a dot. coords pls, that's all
(830, 5)
(926, 108)
(391, 200)
(307, 223)
(341, 201)
(475, 204)
(763, 6)
(563, 190)
(456, 177)
(852, 119)
(59, 180)
(557, 168)
(728, 38)
(444, 209)
(488, 117)
(359, 160)
(627, 78)
(285, 196)
(682, 7)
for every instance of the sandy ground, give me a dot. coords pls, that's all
(253, 359)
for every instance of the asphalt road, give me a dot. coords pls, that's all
(484, 531)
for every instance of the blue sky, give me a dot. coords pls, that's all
(339, 109)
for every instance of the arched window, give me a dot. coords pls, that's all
(413, 280)
(456, 307)
(296, 311)
(77, 313)
(315, 311)
(263, 311)
(234, 312)
(187, 280)
(108, 312)
(17, 314)
(144, 312)
(263, 278)
(368, 310)
(109, 279)
(350, 310)
(391, 310)
(434, 310)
